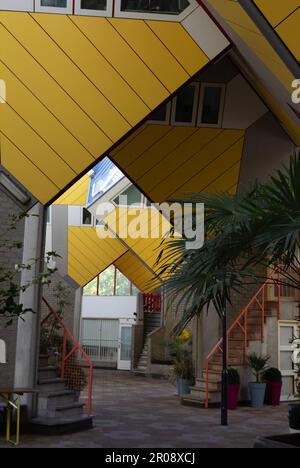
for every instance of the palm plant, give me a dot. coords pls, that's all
(259, 226)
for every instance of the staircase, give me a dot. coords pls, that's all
(59, 408)
(245, 330)
(152, 321)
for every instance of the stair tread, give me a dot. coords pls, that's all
(69, 406)
(52, 380)
(59, 393)
(59, 421)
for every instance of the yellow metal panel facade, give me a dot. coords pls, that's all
(77, 85)
(77, 194)
(136, 272)
(89, 254)
(168, 161)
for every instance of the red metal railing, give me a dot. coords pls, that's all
(152, 303)
(241, 323)
(71, 354)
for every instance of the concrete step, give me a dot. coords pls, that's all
(49, 372)
(213, 386)
(213, 376)
(50, 401)
(214, 395)
(142, 368)
(59, 426)
(66, 411)
(51, 385)
(43, 360)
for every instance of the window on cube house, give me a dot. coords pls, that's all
(93, 4)
(185, 105)
(211, 105)
(132, 196)
(87, 217)
(171, 7)
(110, 282)
(54, 3)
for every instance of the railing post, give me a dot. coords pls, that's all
(64, 353)
(246, 337)
(90, 395)
(206, 383)
(279, 296)
(263, 316)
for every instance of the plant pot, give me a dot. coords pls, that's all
(183, 386)
(257, 394)
(233, 396)
(273, 393)
(295, 425)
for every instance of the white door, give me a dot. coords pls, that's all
(288, 331)
(125, 346)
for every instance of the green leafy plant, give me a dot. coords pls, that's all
(272, 375)
(233, 377)
(254, 230)
(294, 417)
(11, 286)
(257, 364)
(181, 352)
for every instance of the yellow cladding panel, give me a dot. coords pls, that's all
(277, 11)
(77, 194)
(288, 30)
(143, 231)
(89, 253)
(136, 272)
(169, 161)
(233, 13)
(77, 85)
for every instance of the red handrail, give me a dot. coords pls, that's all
(241, 322)
(76, 346)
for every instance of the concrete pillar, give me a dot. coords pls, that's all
(28, 329)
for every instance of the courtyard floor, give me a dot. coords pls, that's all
(137, 412)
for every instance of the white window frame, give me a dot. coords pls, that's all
(81, 218)
(156, 16)
(167, 119)
(104, 13)
(174, 122)
(222, 104)
(281, 348)
(17, 5)
(63, 11)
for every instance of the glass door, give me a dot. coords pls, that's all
(288, 331)
(125, 346)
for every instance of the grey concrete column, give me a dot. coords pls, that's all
(77, 313)
(28, 329)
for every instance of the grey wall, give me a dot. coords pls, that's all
(8, 259)
(267, 147)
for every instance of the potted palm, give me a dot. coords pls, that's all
(273, 379)
(234, 385)
(257, 389)
(181, 352)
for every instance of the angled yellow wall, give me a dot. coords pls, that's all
(284, 16)
(77, 194)
(132, 267)
(77, 85)
(168, 162)
(234, 16)
(89, 255)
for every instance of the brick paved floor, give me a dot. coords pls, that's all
(135, 412)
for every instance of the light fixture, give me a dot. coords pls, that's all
(13, 189)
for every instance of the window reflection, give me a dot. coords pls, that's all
(93, 4)
(155, 6)
(54, 3)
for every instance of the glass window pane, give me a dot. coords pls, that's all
(135, 290)
(211, 105)
(160, 114)
(123, 285)
(173, 7)
(106, 282)
(91, 288)
(185, 105)
(132, 197)
(126, 334)
(86, 217)
(286, 362)
(286, 336)
(93, 4)
(54, 3)
(288, 386)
